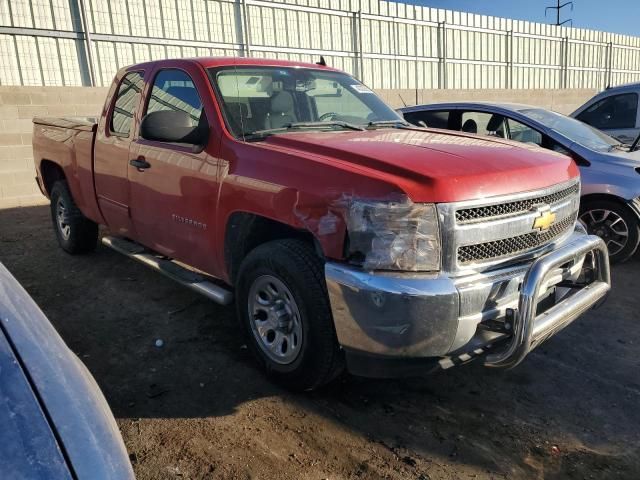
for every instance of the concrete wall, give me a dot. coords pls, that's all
(18, 105)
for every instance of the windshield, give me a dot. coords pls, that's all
(264, 100)
(573, 129)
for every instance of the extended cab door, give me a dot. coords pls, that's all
(173, 185)
(111, 151)
(616, 115)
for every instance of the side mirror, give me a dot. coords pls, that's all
(174, 126)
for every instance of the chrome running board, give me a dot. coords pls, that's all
(198, 282)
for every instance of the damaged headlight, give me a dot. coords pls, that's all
(394, 235)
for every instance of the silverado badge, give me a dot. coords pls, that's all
(545, 218)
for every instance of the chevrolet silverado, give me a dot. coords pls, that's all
(347, 237)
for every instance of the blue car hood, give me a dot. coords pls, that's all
(28, 446)
(74, 405)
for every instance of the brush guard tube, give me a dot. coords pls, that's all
(531, 329)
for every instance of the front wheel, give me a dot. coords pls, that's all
(283, 304)
(616, 224)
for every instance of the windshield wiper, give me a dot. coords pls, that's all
(332, 123)
(257, 134)
(389, 124)
(621, 146)
(634, 145)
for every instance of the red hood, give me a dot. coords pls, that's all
(433, 166)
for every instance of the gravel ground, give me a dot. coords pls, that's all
(198, 408)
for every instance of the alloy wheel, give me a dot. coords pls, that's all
(609, 226)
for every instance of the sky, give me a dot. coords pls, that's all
(617, 16)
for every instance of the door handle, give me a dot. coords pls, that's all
(140, 163)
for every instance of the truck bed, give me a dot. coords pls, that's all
(67, 142)
(75, 123)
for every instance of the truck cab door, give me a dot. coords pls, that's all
(615, 115)
(174, 186)
(111, 152)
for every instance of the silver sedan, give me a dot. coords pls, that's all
(610, 204)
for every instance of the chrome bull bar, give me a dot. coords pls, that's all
(530, 329)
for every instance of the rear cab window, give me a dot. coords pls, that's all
(127, 99)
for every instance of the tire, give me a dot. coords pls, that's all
(281, 292)
(616, 224)
(75, 232)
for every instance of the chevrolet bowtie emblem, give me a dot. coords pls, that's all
(545, 218)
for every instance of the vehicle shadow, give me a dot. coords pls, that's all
(577, 393)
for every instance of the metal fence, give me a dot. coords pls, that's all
(388, 45)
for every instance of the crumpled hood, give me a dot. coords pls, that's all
(434, 166)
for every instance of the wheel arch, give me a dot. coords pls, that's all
(629, 209)
(632, 205)
(244, 231)
(51, 172)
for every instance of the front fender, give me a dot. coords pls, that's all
(604, 183)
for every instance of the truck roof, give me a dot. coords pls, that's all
(212, 62)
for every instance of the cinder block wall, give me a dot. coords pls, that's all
(18, 105)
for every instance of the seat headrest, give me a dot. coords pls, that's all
(470, 126)
(282, 102)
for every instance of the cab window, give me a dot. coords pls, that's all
(523, 133)
(174, 90)
(127, 99)
(483, 123)
(616, 111)
(431, 119)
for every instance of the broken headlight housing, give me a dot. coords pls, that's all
(394, 235)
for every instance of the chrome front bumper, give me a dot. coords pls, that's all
(402, 315)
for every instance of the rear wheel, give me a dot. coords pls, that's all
(75, 232)
(616, 224)
(283, 304)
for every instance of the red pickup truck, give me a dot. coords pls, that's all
(347, 236)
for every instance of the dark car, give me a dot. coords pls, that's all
(54, 421)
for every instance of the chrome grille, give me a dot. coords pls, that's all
(478, 234)
(468, 215)
(512, 246)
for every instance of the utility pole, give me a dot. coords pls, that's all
(557, 8)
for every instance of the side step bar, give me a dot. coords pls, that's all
(197, 282)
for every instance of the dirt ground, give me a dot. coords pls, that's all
(198, 408)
